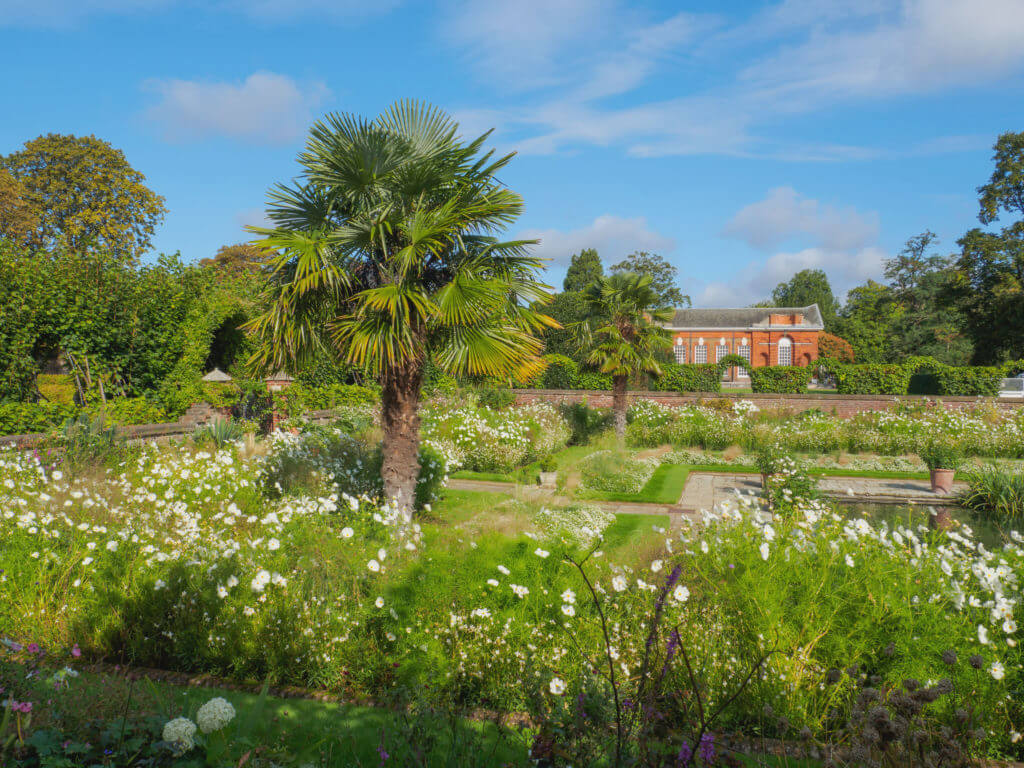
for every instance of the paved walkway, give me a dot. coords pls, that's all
(706, 489)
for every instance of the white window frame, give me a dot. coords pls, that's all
(680, 353)
(721, 350)
(700, 354)
(785, 343)
(745, 354)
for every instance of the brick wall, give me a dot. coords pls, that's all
(841, 405)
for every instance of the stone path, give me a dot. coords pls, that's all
(706, 489)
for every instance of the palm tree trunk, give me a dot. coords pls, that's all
(619, 384)
(400, 421)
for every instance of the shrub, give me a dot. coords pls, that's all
(941, 455)
(25, 418)
(135, 410)
(592, 380)
(789, 379)
(689, 377)
(585, 421)
(872, 379)
(995, 493)
(495, 398)
(220, 433)
(56, 387)
(835, 348)
(1013, 368)
(561, 373)
(615, 472)
(969, 380)
(86, 441)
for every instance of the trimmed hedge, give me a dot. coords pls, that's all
(18, 418)
(561, 372)
(689, 377)
(785, 379)
(973, 380)
(872, 379)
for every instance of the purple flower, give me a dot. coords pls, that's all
(707, 748)
(33, 648)
(685, 755)
(76, 651)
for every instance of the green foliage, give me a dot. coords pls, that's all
(495, 398)
(584, 269)
(969, 380)
(1013, 368)
(561, 372)
(835, 348)
(220, 433)
(995, 493)
(19, 418)
(87, 441)
(788, 379)
(585, 422)
(86, 196)
(872, 379)
(806, 287)
(662, 274)
(298, 399)
(689, 377)
(867, 321)
(615, 472)
(941, 454)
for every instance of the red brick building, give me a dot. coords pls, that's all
(763, 335)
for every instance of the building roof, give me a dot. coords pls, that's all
(280, 375)
(216, 375)
(745, 318)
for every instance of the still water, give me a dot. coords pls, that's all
(912, 516)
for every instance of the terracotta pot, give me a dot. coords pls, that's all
(941, 520)
(942, 480)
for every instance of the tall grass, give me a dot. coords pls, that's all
(995, 493)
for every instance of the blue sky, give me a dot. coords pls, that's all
(741, 140)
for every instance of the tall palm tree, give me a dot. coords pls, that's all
(623, 337)
(387, 256)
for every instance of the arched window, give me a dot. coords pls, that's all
(700, 353)
(721, 351)
(785, 351)
(745, 354)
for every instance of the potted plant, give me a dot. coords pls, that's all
(548, 472)
(942, 460)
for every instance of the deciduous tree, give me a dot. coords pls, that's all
(663, 277)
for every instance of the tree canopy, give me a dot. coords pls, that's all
(663, 277)
(806, 287)
(584, 269)
(82, 195)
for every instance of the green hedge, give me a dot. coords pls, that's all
(787, 379)
(689, 377)
(27, 418)
(872, 379)
(973, 380)
(561, 372)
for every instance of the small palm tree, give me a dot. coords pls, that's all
(622, 336)
(387, 257)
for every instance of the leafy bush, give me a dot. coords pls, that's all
(298, 399)
(220, 432)
(995, 493)
(788, 379)
(56, 387)
(1013, 368)
(562, 372)
(969, 380)
(584, 421)
(495, 398)
(134, 410)
(25, 418)
(835, 348)
(615, 472)
(592, 380)
(872, 379)
(939, 454)
(689, 377)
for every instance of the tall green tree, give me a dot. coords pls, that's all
(806, 287)
(584, 269)
(86, 196)
(628, 339)
(988, 284)
(388, 257)
(664, 277)
(19, 216)
(866, 322)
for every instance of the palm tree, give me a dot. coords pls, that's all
(622, 336)
(387, 257)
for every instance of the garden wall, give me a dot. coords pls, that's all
(841, 405)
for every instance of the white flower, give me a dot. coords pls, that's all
(379, 602)
(373, 565)
(997, 671)
(260, 580)
(1009, 626)
(347, 532)
(232, 581)
(520, 591)
(493, 582)
(568, 610)
(381, 554)
(221, 592)
(681, 594)
(541, 552)
(656, 566)
(159, 584)
(112, 546)
(273, 544)
(556, 686)
(215, 714)
(764, 550)
(849, 561)
(1014, 737)
(569, 596)
(982, 634)
(180, 732)
(619, 583)
(504, 570)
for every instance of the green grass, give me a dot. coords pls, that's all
(632, 532)
(345, 735)
(664, 487)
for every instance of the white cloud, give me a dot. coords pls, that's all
(755, 281)
(785, 214)
(614, 237)
(264, 108)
